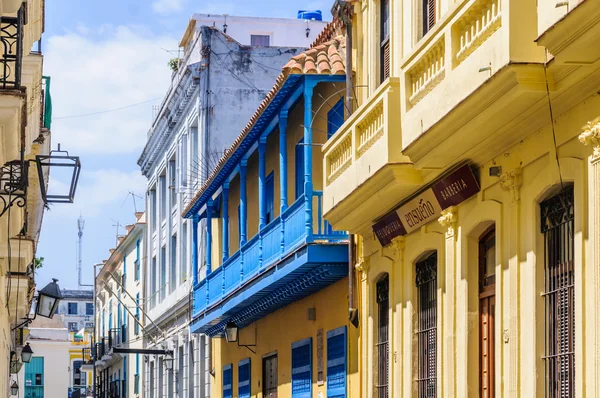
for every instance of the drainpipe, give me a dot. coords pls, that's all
(342, 9)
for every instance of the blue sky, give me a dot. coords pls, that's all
(103, 55)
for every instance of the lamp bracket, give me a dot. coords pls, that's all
(248, 345)
(13, 185)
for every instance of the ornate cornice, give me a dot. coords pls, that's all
(591, 136)
(511, 181)
(449, 219)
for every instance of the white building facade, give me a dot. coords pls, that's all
(119, 316)
(220, 82)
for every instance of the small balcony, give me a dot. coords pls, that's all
(11, 55)
(88, 355)
(364, 158)
(106, 356)
(471, 79)
(284, 262)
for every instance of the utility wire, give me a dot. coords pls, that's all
(106, 111)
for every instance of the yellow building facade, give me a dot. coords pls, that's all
(469, 170)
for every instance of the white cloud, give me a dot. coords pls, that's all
(101, 192)
(101, 69)
(164, 7)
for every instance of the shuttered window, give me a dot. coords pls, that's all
(426, 282)
(382, 346)
(302, 369)
(227, 381)
(428, 15)
(557, 214)
(337, 354)
(244, 378)
(385, 40)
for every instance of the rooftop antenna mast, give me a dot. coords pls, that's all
(80, 226)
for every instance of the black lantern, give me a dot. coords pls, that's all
(168, 363)
(26, 353)
(231, 332)
(14, 388)
(307, 29)
(56, 160)
(48, 299)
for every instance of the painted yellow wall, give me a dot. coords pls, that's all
(276, 333)
(513, 207)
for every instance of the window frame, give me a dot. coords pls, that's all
(260, 37)
(427, 325)
(69, 304)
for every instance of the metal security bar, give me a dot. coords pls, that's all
(426, 283)
(11, 39)
(382, 346)
(557, 216)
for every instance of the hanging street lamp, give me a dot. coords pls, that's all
(53, 161)
(26, 353)
(14, 388)
(48, 299)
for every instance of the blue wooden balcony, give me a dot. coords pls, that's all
(293, 252)
(281, 264)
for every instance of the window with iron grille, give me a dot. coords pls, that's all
(384, 41)
(557, 220)
(428, 15)
(426, 282)
(382, 346)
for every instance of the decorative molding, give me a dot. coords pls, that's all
(363, 265)
(449, 219)
(511, 181)
(591, 136)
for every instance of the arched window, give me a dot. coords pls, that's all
(557, 220)
(382, 346)
(426, 282)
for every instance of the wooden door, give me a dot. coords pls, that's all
(487, 307)
(270, 377)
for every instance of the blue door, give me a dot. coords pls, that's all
(302, 369)
(244, 378)
(299, 168)
(270, 188)
(34, 378)
(337, 354)
(335, 118)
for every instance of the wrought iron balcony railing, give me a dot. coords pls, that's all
(11, 37)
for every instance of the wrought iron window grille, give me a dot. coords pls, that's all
(426, 283)
(11, 37)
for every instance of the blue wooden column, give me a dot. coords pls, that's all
(194, 248)
(262, 197)
(225, 221)
(309, 86)
(283, 172)
(243, 209)
(209, 237)
(283, 176)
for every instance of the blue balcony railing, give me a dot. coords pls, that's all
(274, 242)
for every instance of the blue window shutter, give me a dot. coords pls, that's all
(337, 356)
(270, 193)
(302, 369)
(335, 118)
(227, 381)
(299, 168)
(244, 379)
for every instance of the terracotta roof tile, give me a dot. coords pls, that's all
(324, 57)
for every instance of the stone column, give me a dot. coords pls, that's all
(447, 371)
(591, 136)
(511, 182)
